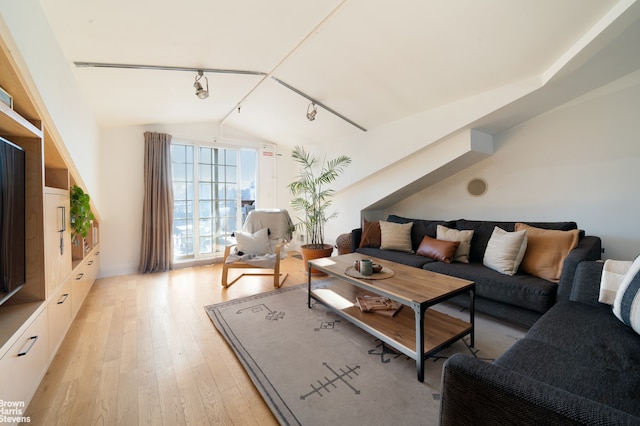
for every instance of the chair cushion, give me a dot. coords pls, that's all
(256, 243)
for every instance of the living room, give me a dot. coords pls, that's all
(524, 180)
(558, 144)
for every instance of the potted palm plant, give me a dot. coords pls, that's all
(312, 198)
(80, 217)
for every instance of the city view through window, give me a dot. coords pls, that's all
(214, 189)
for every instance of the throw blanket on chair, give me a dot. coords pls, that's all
(280, 227)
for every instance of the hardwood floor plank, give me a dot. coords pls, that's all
(127, 398)
(142, 350)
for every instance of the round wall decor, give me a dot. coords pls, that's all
(477, 187)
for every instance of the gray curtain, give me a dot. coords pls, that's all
(156, 252)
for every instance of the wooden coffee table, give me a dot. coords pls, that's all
(413, 287)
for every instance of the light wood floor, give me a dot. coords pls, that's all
(142, 350)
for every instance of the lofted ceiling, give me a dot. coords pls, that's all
(373, 61)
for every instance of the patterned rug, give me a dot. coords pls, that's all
(314, 368)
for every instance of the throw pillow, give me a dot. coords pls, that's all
(370, 234)
(613, 272)
(505, 251)
(256, 243)
(464, 237)
(395, 236)
(626, 305)
(438, 249)
(546, 251)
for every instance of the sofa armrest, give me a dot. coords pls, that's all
(589, 248)
(586, 284)
(356, 237)
(475, 392)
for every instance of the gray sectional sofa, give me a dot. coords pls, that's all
(578, 364)
(520, 298)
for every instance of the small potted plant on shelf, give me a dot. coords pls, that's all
(80, 217)
(312, 197)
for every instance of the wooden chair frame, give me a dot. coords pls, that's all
(278, 277)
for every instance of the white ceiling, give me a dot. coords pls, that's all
(372, 61)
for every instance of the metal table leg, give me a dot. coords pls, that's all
(419, 310)
(308, 285)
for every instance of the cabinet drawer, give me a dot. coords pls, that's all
(59, 314)
(82, 279)
(24, 364)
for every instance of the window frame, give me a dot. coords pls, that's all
(217, 245)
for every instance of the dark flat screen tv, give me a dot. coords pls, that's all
(12, 219)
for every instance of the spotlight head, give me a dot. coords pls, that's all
(312, 110)
(201, 93)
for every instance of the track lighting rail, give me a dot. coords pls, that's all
(216, 71)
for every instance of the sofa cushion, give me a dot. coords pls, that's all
(396, 256)
(626, 305)
(482, 231)
(505, 251)
(613, 273)
(438, 249)
(421, 227)
(370, 234)
(546, 251)
(565, 368)
(591, 331)
(395, 236)
(520, 290)
(449, 234)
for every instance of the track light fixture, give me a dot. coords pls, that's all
(312, 110)
(203, 93)
(200, 91)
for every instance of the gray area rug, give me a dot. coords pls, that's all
(314, 368)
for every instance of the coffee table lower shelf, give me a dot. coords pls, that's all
(399, 331)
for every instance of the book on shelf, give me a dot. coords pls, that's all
(378, 304)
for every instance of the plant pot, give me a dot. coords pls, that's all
(311, 251)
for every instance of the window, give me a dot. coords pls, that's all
(213, 189)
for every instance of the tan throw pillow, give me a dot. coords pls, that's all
(464, 237)
(505, 251)
(370, 234)
(437, 249)
(395, 236)
(546, 251)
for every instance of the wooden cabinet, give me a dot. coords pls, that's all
(57, 238)
(59, 316)
(35, 320)
(25, 363)
(82, 279)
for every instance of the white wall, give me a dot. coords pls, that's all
(56, 91)
(579, 162)
(121, 183)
